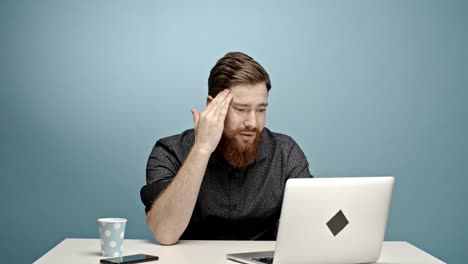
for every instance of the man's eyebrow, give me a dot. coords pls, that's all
(247, 105)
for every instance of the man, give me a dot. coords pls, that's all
(225, 178)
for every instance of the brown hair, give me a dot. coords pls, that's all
(233, 69)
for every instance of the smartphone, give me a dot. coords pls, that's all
(138, 258)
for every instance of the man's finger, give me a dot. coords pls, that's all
(214, 104)
(196, 117)
(225, 107)
(225, 99)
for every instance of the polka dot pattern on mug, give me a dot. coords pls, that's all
(111, 231)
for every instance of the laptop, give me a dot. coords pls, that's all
(329, 220)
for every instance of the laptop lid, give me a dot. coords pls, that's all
(333, 220)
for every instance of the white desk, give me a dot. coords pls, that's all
(191, 251)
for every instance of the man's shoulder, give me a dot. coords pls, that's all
(182, 140)
(279, 137)
(185, 135)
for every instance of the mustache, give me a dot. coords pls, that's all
(249, 130)
(238, 131)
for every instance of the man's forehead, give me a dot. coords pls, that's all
(248, 97)
(249, 101)
(239, 103)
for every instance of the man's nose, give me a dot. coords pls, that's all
(251, 120)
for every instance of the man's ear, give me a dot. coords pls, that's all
(208, 100)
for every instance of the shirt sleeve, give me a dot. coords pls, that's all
(297, 164)
(161, 168)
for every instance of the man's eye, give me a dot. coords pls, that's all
(241, 109)
(261, 110)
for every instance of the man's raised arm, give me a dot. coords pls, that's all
(171, 211)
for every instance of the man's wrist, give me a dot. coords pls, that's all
(201, 150)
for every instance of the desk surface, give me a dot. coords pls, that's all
(190, 251)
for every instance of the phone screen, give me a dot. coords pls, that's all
(138, 258)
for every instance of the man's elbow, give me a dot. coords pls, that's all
(162, 237)
(165, 240)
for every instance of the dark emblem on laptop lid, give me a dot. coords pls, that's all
(337, 223)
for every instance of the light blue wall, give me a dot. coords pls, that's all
(365, 87)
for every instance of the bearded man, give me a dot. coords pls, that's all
(224, 179)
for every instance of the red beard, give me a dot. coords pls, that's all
(237, 154)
